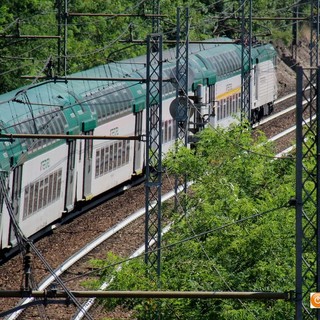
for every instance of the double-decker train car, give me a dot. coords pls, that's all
(43, 179)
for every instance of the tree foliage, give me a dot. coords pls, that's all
(97, 40)
(237, 234)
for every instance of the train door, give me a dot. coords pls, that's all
(87, 167)
(15, 197)
(71, 179)
(137, 165)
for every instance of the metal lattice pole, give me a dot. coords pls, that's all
(314, 35)
(308, 177)
(307, 208)
(153, 157)
(246, 44)
(62, 17)
(156, 20)
(182, 73)
(295, 29)
(182, 76)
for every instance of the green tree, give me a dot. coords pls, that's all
(238, 233)
(93, 41)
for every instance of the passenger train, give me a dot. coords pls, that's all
(43, 180)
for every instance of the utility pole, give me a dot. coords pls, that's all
(62, 19)
(153, 155)
(246, 64)
(155, 19)
(295, 30)
(182, 73)
(182, 86)
(308, 177)
(153, 164)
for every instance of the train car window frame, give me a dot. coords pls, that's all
(42, 193)
(97, 163)
(111, 158)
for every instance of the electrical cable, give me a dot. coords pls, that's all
(203, 249)
(172, 245)
(22, 241)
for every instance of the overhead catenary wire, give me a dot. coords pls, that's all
(216, 269)
(194, 237)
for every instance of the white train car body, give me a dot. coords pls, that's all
(42, 180)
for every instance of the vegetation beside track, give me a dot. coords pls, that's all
(238, 233)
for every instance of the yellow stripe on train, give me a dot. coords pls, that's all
(228, 93)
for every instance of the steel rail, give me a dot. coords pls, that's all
(85, 250)
(82, 252)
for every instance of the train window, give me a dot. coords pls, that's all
(59, 184)
(54, 187)
(72, 154)
(232, 105)
(128, 151)
(124, 152)
(38, 195)
(221, 110)
(227, 112)
(88, 145)
(121, 108)
(45, 191)
(109, 111)
(31, 197)
(102, 161)
(98, 108)
(119, 153)
(115, 109)
(97, 162)
(26, 203)
(41, 194)
(110, 157)
(61, 121)
(115, 149)
(211, 94)
(80, 150)
(50, 188)
(218, 110)
(35, 197)
(224, 104)
(106, 160)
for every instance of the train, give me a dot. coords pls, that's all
(43, 180)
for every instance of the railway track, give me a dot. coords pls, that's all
(280, 127)
(136, 217)
(72, 238)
